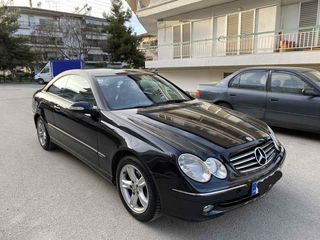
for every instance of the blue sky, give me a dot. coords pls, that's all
(98, 7)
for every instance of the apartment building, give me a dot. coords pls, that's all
(148, 45)
(60, 35)
(205, 40)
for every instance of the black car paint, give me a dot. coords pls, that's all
(157, 136)
(292, 111)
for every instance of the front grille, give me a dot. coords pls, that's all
(247, 162)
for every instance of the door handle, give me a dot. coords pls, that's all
(57, 108)
(274, 99)
(233, 95)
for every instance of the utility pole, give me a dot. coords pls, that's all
(30, 3)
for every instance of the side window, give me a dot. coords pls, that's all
(58, 86)
(255, 80)
(45, 70)
(287, 83)
(78, 90)
(235, 81)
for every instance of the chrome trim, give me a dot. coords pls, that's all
(244, 161)
(247, 160)
(76, 139)
(210, 193)
(247, 165)
(241, 156)
(101, 155)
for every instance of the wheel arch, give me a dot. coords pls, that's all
(223, 102)
(116, 159)
(35, 118)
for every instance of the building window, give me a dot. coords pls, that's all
(181, 40)
(240, 24)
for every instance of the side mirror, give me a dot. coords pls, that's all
(83, 107)
(310, 92)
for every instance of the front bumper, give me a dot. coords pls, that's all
(203, 206)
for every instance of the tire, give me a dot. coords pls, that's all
(40, 81)
(145, 199)
(225, 105)
(43, 135)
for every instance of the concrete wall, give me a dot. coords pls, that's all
(188, 79)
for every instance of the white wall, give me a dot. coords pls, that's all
(188, 79)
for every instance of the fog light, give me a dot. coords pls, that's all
(207, 209)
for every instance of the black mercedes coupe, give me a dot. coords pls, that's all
(165, 151)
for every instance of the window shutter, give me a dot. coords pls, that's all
(308, 14)
(246, 42)
(232, 32)
(233, 25)
(308, 18)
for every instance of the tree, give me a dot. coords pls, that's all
(13, 51)
(122, 43)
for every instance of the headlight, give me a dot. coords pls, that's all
(194, 168)
(274, 139)
(216, 168)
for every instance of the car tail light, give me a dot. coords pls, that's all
(197, 94)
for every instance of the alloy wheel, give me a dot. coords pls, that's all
(42, 133)
(134, 188)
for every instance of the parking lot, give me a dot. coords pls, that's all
(52, 195)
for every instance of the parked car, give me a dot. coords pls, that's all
(54, 68)
(165, 151)
(281, 96)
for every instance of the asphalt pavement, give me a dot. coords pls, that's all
(52, 195)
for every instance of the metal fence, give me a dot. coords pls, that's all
(302, 39)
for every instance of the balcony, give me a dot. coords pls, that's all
(150, 11)
(295, 46)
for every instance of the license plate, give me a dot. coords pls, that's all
(265, 184)
(254, 189)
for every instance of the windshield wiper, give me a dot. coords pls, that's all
(170, 101)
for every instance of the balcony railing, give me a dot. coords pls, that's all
(302, 39)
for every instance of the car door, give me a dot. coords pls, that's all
(49, 104)
(287, 106)
(247, 92)
(76, 131)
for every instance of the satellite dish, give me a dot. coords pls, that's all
(39, 4)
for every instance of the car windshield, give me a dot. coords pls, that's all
(136, 91)
(314, 76)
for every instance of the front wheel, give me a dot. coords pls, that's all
(137, 191)
(40, 81)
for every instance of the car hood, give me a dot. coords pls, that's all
(195, 124)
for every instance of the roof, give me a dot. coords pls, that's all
(47, 12)
(106, 72)
(296, 69)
